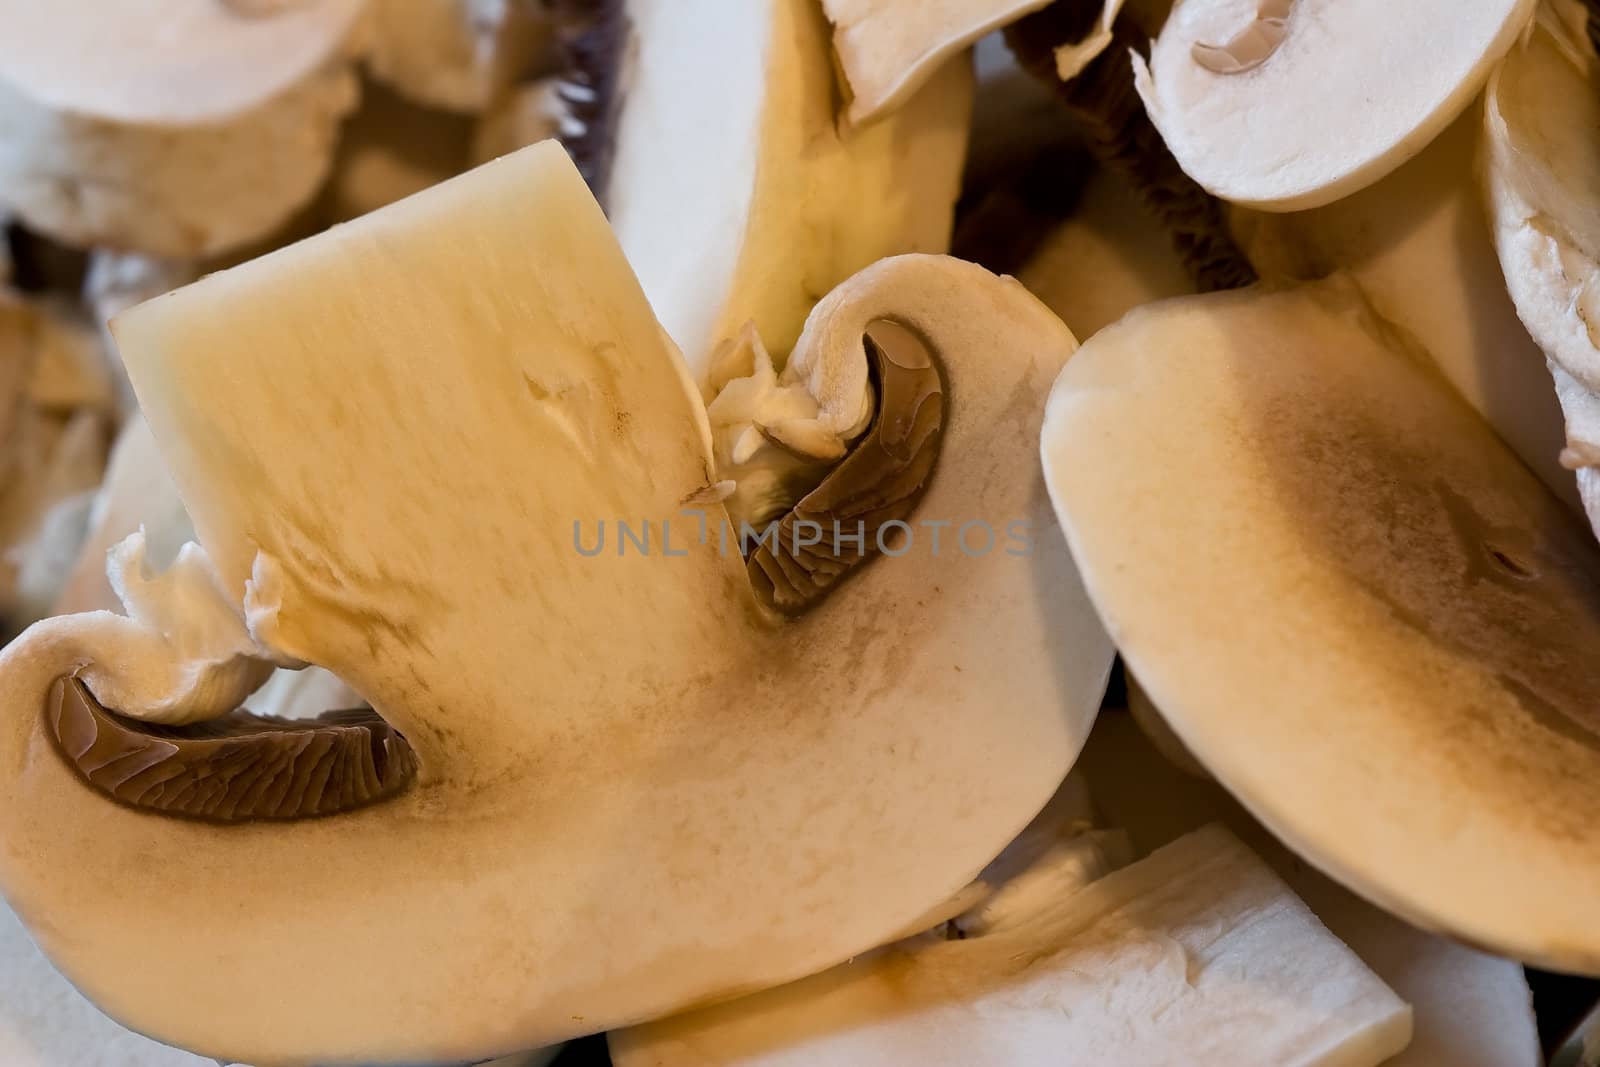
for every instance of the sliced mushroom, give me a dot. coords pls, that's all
(458, 55)
(1422, 249)
(1540, 166)
(1277, 110)
(1196, 955)
(888, 51)
(1351, 601)
(179, 128)
(755, 215)
(1469, 1009)
(601, 741)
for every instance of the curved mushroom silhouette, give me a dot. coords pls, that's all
(637, 788)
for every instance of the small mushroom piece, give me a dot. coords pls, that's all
(1275, 109)
(1540, 169)
(1469, 1009)
(887, 51)
(756, 215)
(179, 128)
(601, 738)
(457, 55)
(1352, 603)
(1195, 955)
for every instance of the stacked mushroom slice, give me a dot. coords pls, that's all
(1541, 163)
(1289, 104)
(671, 727)
(1351, 602)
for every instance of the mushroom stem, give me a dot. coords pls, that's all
(1105, 106)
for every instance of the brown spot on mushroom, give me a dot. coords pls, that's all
(239, 768)
(879, 482)
(1251, 46)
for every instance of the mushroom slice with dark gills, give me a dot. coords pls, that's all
(1351, 601)
(637, 787)
(711, 131)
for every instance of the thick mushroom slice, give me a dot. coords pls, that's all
(1196, 955)
(1351, 601)
(1541, 165)
(637, 788)
(1271, 103)
(887, 51)
(709, 133)
(180, 128)
(1469, 1009)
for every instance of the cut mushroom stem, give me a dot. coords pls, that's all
(1105, 106)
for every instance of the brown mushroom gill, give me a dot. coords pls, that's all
(239, 768)
(1251, 46)
(861, 503)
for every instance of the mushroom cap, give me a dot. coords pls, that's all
(637, 791)
(1307, 126)
(169, 62)
(887, 51)
(1540, 169)
(1351, 602)
(1469, 1009)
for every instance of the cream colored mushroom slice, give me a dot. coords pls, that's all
(1353, 604)
(1422, 248)
(887, 51)
(1539, 171)
(457, 55)
(1270, 103)
(1469, 1009)
(708, 130)
(179, 128)
(622, 761)
(1197, 954)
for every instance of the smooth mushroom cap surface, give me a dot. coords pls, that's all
(886, 51)
(1306, 125)
(624, 763)
(1469, 1009)
(1540, 165)
(1352, 603)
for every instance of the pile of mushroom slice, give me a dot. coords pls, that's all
(606, 797)
(1350, 600)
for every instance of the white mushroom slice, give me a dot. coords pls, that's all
(1272, 104)
(567, 717)
(180, 128)
(460, 55)
(390, 149)
(524, 116)
(1469, 1009)
(1197, 954)
(1350, 600)
(887, 51)
(756, 215)
(1420, 245)
(1540, 166)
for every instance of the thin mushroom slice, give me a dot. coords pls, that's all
(1271, 104)
(1540, 169)
(1196, 955)
(755, 216)
(178, 128)
(601, 738)
(886, 51)
(1350, 600)
(1469, 1009)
